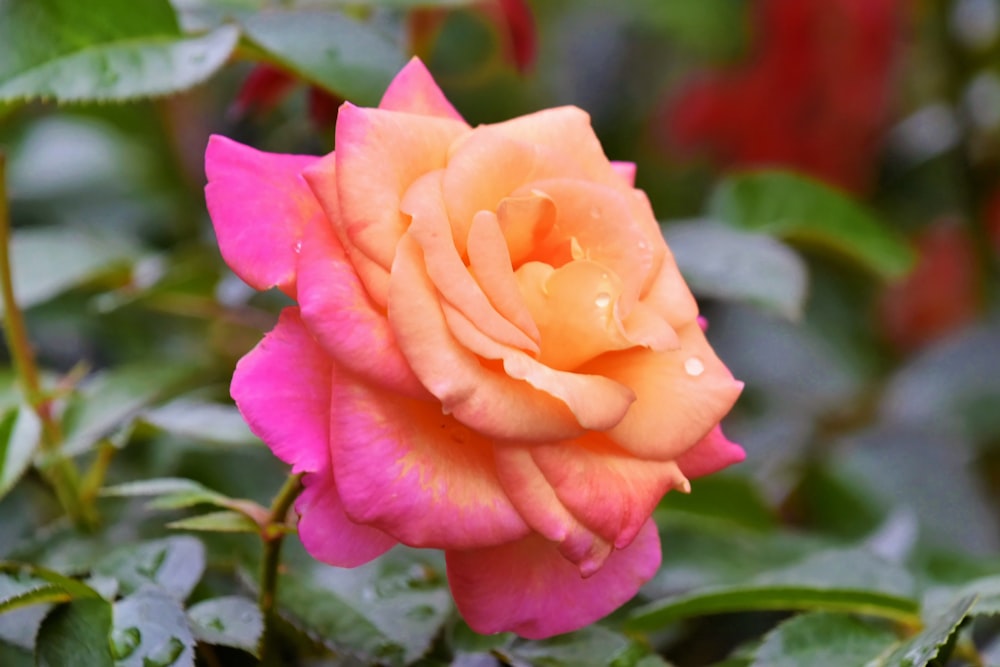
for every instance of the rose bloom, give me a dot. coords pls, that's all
(493, 352)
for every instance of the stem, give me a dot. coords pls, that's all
(58, 471)
(273, 535)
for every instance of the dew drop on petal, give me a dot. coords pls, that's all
(298, 247)
(603, 300)
(694, 367)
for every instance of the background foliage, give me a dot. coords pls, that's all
(826, 173)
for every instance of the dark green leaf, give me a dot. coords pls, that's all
(229, 621)
(920, 649)
(20, 430)
(151, 630)
(803, 210)
(387, 611)
(26, 592)
(174, 564)
(15, 656)
(217, 522)
(823, 639)
(76, 635)
(47, 261)
(350, 58)
(724, 263)
(837, 580)
(110, 400)
(68, 52)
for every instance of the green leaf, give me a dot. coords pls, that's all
(151, 630)
(111, 400)
(76, 635)
(173, 564)
(593, 646)
(387, 611)
(347, 57)
(845, 580)
(202, 421)
(800, 209)
(48, 261)
(217, 522)
(720, 262)
(823, 638)
(26, 592)
(71, 52)
(15, 656)
(920, 649)
(170, 492)
(985, 590)
(30, 577)
(20, 430)
(230, 621)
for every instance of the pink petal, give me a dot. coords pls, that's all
(485, 399)
(282, 388)
(528, 588)
(339, 313)
(712, 453)
(415, 473)
(327, 533)
(260, 206)
(414, 90)
(379, 155)
(626, 170)
(681, 395)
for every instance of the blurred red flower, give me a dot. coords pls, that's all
(814, 96)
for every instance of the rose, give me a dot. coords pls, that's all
(493, 352)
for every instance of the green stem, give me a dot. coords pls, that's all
(58, 471)
(273, 535)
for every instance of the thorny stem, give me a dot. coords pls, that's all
(272, 532)
(57, 470)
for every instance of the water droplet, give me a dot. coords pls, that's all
(603, 300)
(694, 367)
(298, 247)
(165, 655)
(124, 642)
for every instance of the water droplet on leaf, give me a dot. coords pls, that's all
(124, 642)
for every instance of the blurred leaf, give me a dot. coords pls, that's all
(15, 656)
(172, 564)
(347, 57)
(18, 580)
(151, 630)
(217, 522)
(803, 210)
(985, 591)
(727, 496)
(387, 611)
(708, 27)
(202, 421)
(720, 262)
(922, 648)
(48, 261)
(110, 400)
(76, 635)
(593, 646)
(70, 52)
(837, 580)
(20, 430)
(228, 621)
(823, 638)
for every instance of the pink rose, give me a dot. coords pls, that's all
(493, 352)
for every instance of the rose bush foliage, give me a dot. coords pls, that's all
(492, 351)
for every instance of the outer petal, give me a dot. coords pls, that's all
(528, 588)
(421, 476)
(344, 320)
(327, 533)
(414, 90)
(260, 206)
(712, 453)
(282, 388)
(681, 395)
(485, 399)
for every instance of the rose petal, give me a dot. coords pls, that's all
(486, 400)
(626, 170)
(429, 227)
(282, 388)
(528, 588)
(414, 90)
(379, 155)
(327, 533)
(260, 205)
(681, 395)
(344, 320)
(712, 453)
(415, 473)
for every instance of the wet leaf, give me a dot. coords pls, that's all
(151, 630)
(229, 621)
(172, 564)
(823, 638)
(76, 635)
